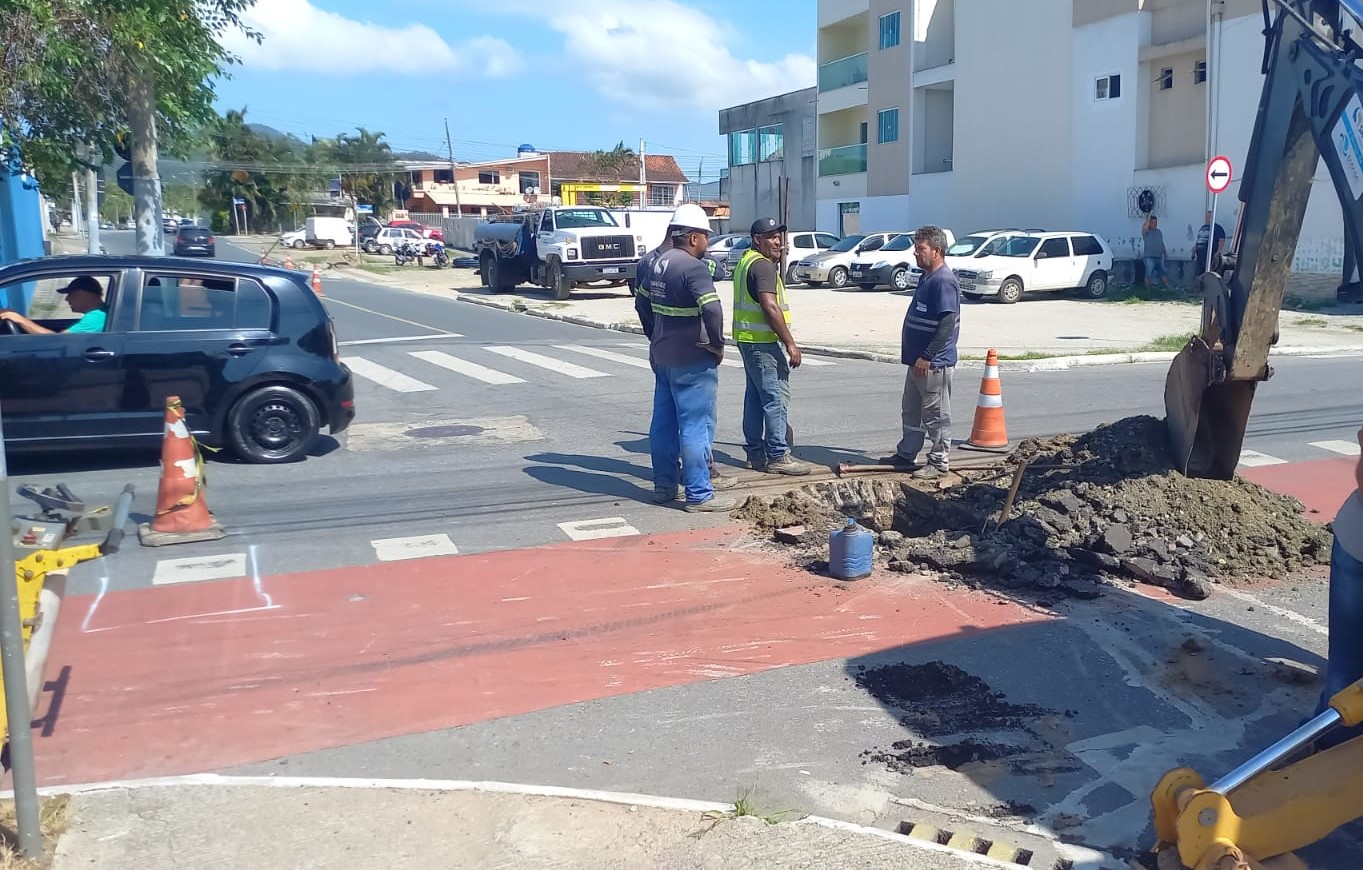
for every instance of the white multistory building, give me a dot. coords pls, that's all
(1059, 114)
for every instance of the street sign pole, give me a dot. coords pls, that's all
(1218, 178)
(17, 712)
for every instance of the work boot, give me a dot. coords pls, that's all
(788, 465)
(929, 472)
(663, 495)
(713, 504)
(757, 463)
(897, 460)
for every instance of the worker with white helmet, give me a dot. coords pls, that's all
(684, 321)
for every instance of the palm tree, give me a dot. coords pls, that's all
(615, 163)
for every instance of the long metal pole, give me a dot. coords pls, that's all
(17, 711)
(454, 171)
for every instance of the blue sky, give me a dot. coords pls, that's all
(574, 75)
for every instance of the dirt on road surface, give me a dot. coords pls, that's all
(1091, 509)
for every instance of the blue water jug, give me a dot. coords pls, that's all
(851, 551)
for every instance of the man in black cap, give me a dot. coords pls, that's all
(761, 328)
(85, 296)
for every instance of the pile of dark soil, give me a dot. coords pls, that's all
(937, 699)
(1091, 508)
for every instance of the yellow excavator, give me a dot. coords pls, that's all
(1311, 109)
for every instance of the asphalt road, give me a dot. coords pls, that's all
(482, 430)
(479, 430)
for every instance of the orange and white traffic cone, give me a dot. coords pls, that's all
(317, 281)
(181, 513)
(288, 261)
(989, 431)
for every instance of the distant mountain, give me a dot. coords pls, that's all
(265, 131)
(416, 155)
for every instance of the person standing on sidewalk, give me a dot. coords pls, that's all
(1152, 252)
(1344, 664)
(761, 329)
(684, 321)
(928, 340)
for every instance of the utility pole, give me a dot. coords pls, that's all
(643, 174)
(151, 238)
(454, 172)
(17, 711)
(77, 217)
(92, 209)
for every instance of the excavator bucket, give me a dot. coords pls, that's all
(1206, 415)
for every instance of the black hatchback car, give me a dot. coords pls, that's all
(250, 350)
(195, 242)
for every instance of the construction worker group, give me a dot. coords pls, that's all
(683, 317)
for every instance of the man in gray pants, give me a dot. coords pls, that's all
(928, 340)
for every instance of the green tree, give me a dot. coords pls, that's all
(252, 168)
(614, 165)
(365, 164)
(68, 67)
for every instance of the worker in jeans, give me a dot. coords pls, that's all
(761, 329)
(1345, 665)
(681, 314)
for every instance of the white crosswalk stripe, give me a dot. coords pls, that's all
(611, 355)
(464, 367)
(546, 362)
(385, 377)
(1255, 459)
(1347, 448)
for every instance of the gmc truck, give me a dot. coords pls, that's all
(558, 247)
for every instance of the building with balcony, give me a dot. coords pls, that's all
(771, 144)
(480, 189)
(1066, 114)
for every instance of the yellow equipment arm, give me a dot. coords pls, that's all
(1261, 810)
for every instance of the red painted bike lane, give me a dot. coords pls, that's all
(194, 678)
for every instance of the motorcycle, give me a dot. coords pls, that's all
(406, 252)
(435, 249)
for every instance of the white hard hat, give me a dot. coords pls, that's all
(691, 217)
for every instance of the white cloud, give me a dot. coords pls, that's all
(660, 55)
(299, 37)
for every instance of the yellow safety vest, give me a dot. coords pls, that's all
(750, 321)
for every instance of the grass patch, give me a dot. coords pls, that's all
(1312, 321)
(1174, 341)
(53, 818)
(1021, 357)
(377, 268)
(1354, 327)
(744, 805)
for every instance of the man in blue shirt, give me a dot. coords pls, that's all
(85, 296)
(928, 347)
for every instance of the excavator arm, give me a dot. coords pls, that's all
(1310, 109)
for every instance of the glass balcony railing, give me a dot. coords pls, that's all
(846, 160)
(843, 73)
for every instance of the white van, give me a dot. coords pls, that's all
(328, 232)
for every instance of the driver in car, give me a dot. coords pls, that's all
(84, 294)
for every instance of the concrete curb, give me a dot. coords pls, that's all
(1083, 859)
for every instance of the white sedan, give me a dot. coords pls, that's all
(296, 240)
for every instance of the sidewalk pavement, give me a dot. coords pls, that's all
(239, 822)
(854, 322)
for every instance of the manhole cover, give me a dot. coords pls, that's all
(447, 431)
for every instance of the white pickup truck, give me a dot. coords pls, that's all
(559, 247)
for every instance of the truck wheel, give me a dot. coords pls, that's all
(557, 281)
(385, 249)
(496, 280)
(329, 244)
(484, 271)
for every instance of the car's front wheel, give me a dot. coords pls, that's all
(900, 279)
(838, 277)
(273, 424)
(298, 244)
